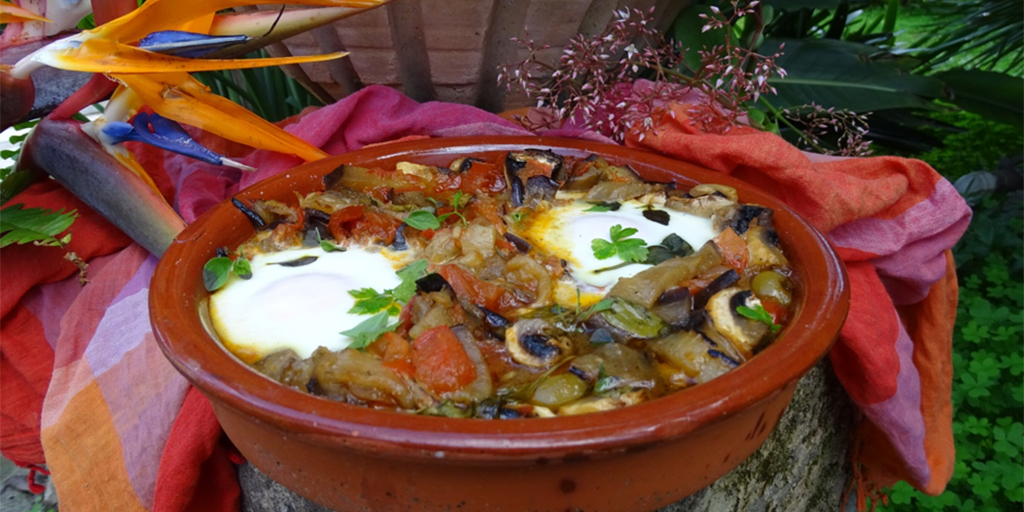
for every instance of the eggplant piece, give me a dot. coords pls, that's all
(746, 213)
(535, 162)
(708, 206)
(431, 283)
(462, 165)
(332, 180)
(517, 192)
(694, 355)
(529, 345)
(629, 367)
(658, 216)
(646, 287)
(607, 191)
(358, 377)
(675, 307)
(493, 319)
(399, 243)
(254, 218)
(316, 228)
(539, 188)
(521, 245)
(742, 332)
(727, 279)
(627, 321)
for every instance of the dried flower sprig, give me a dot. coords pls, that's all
(592, 84)
(843, 129)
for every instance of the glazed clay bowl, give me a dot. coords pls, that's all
(353, 458)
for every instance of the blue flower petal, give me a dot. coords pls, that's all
(187, 44)
(163, 133)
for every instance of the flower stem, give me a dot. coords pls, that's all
(779, 117)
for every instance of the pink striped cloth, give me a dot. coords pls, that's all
(120, 430)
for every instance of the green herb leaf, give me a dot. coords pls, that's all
(518, 217)
(20, 225)
(413, 271)
(369, 301)
(423, 219)
(671, 247)
(605, 382)
(603, 305)
(242, 268)
(369, 330)
(216, 272)
(759, 314)
(628, 249)
(327, 245)
(604, 206)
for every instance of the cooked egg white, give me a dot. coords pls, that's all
(568, 230)
(302, 307)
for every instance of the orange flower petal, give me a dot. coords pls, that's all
(157, 15)
(182, 98)
(10, 13)
(102, 56)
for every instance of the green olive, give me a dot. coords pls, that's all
(772, 285)
(559, 390)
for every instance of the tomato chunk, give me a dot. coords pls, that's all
(395, 353)
(440, 361)
(481, 293)
(379, 227)
(734, 249)
(483, 178)
(338, 219)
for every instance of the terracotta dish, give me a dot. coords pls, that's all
(637, 458)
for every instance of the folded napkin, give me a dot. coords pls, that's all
(87, 391)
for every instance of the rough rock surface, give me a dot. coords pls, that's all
(801, 466)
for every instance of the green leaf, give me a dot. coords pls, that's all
(605, 382)
(996, 96)
(844, 75)
(628, 249)
(369, 301)
(369, 330)
(423, 219)
(604, 206)
(413, 271)
(603, 249)
(216, 272)
(602, 305)
(688, 31)
(673, 246)
(759, 314)
(20, 225)
(242, 268)
(328, 246)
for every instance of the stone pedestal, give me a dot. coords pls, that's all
(802, 465)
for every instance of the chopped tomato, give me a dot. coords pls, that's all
(486, 207)
(734, 249)
(776, 310)
(446, 183)
(380, 227)
(338, 219)
(395, 353)
(483, 178)
(481, 293)
(440, 361)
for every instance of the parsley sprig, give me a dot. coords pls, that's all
(424, 219)
(369, 330)
(759, 314)
(628, 249)
(370, 301)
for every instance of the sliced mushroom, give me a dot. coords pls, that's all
(705, 189)
(742, 332)
(528, 344)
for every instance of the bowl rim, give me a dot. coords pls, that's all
(180, 333)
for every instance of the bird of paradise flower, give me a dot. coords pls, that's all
(146, 57)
